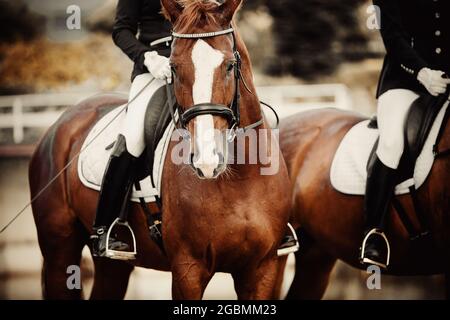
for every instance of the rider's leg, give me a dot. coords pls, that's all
(118, 179)
(393, 108)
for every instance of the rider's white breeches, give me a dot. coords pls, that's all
(134, 122)
(393, 108)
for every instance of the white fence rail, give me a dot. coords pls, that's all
(20, 117)
(295, 98)
(287, 100)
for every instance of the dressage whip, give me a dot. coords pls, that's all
(73, 159)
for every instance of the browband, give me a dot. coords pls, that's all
(202, 35)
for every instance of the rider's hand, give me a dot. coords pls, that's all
(433, 81)
(157, 65)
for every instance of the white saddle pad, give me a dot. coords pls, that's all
(94, 158)
(348, 171)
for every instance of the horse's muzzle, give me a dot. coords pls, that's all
(209, 169)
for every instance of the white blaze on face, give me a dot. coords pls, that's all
(206, 60)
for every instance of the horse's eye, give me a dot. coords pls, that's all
(230, 66)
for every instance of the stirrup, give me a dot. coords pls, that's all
(120, 255)
(292, 249)
(365, 260)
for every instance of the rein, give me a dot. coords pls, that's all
(232, 112)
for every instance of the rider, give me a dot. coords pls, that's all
(132, 16)
(151, 69)
(416, 35)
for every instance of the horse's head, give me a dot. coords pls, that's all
(205, 66)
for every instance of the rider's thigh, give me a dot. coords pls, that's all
(142, 90)
(393, 108)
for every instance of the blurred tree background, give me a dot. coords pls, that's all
(312, 37)
(306, 39)
(17, 22)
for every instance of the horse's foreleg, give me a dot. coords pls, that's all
(257, 283)
(111, 279)
(189, 279)
(280, 278)
(312, 273)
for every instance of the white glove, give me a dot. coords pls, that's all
(158, 65)
(433, 81)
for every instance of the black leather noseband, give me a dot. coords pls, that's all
(207, 109)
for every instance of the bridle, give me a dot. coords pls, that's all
(232, 112)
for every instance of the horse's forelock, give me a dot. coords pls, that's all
(197, 13)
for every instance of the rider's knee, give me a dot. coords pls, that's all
(134, 142)
(390, 150)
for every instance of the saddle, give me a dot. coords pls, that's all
(157, 119)
(420, 120)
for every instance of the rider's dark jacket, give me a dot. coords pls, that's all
(416, 34)
(143, 17)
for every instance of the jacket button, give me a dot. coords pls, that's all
(437, 33)
(438, 50)
(437, 15)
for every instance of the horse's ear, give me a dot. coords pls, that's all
(229, 8)
(171, 9)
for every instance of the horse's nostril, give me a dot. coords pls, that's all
(200, 173)
(219, 170)
(192, 159)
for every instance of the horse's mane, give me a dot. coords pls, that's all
(196, 13)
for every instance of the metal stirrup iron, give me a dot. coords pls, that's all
(120, 255)
(380, 233)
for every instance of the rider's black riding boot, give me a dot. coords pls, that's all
(381, 182)
(116, 186)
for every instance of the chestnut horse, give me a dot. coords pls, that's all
(332, 223)
(229, 223)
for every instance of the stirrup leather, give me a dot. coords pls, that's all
(120, 255)
(293, 249)
(380, 233)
